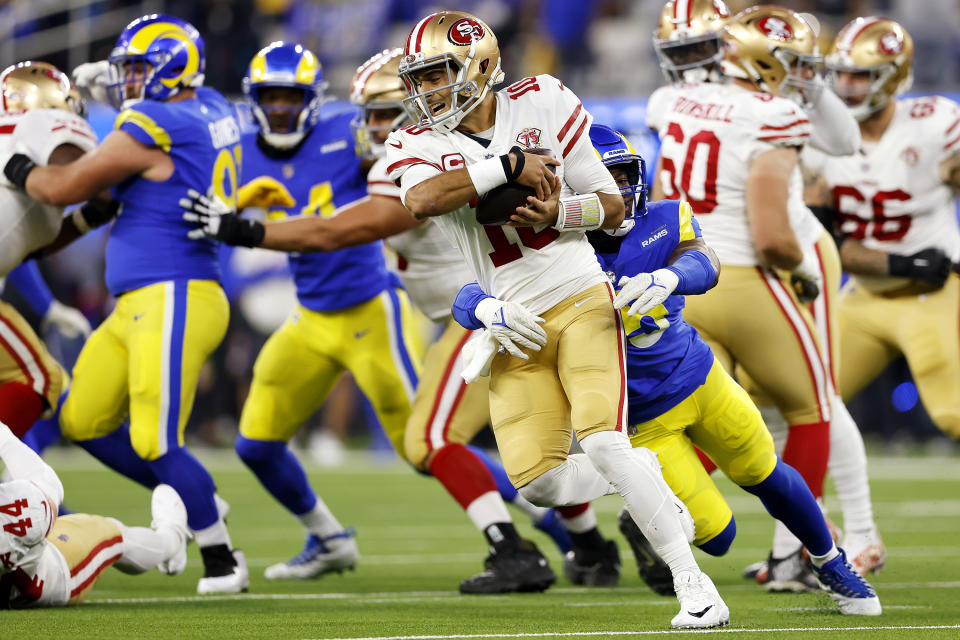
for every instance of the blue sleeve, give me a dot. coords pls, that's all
(28, 282)
(695, 272)
(465, 305)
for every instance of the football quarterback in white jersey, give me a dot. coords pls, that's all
(42, 116)
(466, 142)
(46, 561)
(896, 221)
(688, 45)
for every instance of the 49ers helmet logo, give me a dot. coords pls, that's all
(775, 28)
(465, 31)
(891, 44)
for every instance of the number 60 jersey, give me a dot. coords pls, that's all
(889, 196)
(710, 135)
(538, 268)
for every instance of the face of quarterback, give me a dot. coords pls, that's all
(379, 123)
(429, 83)
(282, 106)
(853, 87)
(622, 178)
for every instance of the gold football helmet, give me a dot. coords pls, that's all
(466, 48)
(687, 39)
(880, 49)
(775, 49)
(376, 87)
(38, 85)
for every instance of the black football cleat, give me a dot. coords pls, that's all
(593, 567)
(513, 569)
(653, 570)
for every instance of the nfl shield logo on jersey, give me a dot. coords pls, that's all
(529, 137)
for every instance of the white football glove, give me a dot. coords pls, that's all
(478, 353)
(511, 324)
(205, 211)
(67, 320)
(806, 278)
(647, 290)
(92, 79)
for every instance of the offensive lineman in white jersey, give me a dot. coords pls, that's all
(42, 117)
(463, 146)
(447, 414)
(688, 43)
(46, 561)
(896, 220)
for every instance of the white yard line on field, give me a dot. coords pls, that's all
(587, 634)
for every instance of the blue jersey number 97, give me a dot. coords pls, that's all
(226, 170)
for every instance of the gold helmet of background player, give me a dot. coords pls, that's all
(880, 48)
(466, 48)
(38, 85)
(376, 86)
(687, 39)
(775, 49)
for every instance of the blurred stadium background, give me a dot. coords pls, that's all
(600, 48)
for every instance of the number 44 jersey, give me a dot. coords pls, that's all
(537, 267)
(889, 196)
(710, 135)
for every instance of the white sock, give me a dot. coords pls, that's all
(637, 477)
(848, 470)
(487, 510)
(819, 561)
(320, 520)
(213, 535)
(144, 549)
(784, 542)
(581, 523)
(776, 425)
(533, 511)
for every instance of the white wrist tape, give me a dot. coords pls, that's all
(487, 174)
(79, 221)
(580, 213)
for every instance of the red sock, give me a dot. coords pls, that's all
(462, 473)
(574, 510)
(807, 451)
(20, 406)
(705, 460)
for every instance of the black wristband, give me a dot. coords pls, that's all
(17, 169)
(898, 265)
(240, 232)
(513, 174)
(99, 214)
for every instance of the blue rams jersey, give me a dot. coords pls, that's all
(322, 175)
(148, 242)
(666, 358)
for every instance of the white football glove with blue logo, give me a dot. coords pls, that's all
(646, 290)
(511, 324)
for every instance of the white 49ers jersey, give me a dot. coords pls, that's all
(430, 266)
(25, 224)
(536, 267)
(710, 135)
(889, 196)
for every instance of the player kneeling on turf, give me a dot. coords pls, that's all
(48, 561)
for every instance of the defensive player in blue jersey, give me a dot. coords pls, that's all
(352, 315)
(679, 396)
(171, 135)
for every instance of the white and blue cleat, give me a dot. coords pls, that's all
(853, 595)
(320, 556)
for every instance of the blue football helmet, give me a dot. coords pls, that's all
(163, 52)
(285, 64)
(616, 151)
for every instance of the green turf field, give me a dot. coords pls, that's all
(417, 545)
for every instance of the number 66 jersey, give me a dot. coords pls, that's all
(538, 268)
(890, 197)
